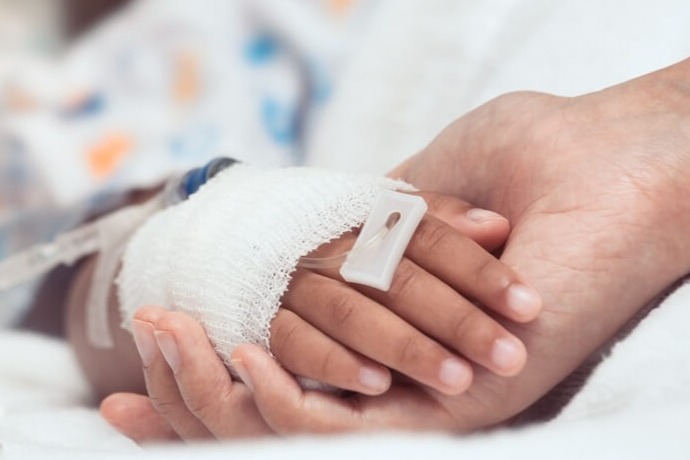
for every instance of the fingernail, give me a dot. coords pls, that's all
(144, 341)
(482, 215)
(241, 370)
(455, 374)
(374, 379)
(168, 346)
(506, 353)
(523, 300)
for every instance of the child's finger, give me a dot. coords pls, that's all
(134, 416)
(469, 269)
(289, 409)
(453, 224)
(160, 381)
(369, 328)
(487, 228)
(430, 305)
(292, 339)
(204, 383)
(440, 312)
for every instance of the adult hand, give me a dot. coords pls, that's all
(596, 189)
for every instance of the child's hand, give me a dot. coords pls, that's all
(426, 326)
(418, 326)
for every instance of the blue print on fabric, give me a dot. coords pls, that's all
(261, 49)
(281, 121)
(321, 87)
(194, 141)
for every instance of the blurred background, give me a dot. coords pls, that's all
(96, 94)
(46, 26)
(99, 96)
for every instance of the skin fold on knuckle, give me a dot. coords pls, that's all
(414, 350)
(341, 309)
(206, 403)
(334, 369)
(177, 324)
(432, 237)
(405, 281)
(461, 326)
(165, 406)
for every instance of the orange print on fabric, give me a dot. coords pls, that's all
(339, 7)
(186, 82)
(108, 154)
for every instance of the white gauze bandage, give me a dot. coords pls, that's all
(225, 256)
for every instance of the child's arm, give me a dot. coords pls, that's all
(387, 337)
(200, 400)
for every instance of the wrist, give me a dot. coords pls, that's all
(664, 107)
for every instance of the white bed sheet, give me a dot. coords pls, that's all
(636, 405)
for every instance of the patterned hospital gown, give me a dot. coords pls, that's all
(164, 86)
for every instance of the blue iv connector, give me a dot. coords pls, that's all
(71, 246)
(192, 181)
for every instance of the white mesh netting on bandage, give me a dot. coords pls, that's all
(225, 256)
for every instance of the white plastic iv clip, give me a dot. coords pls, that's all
(390, 225)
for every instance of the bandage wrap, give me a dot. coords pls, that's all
(225, 256)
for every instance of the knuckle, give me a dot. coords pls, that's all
(170, 322)
(432, 235)
(404, 281)
(203, 408)
(207, 405)
(163, 405)
(330, 363)
(463, 324)
(178, 323)
(413, 349)
(341, 308)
